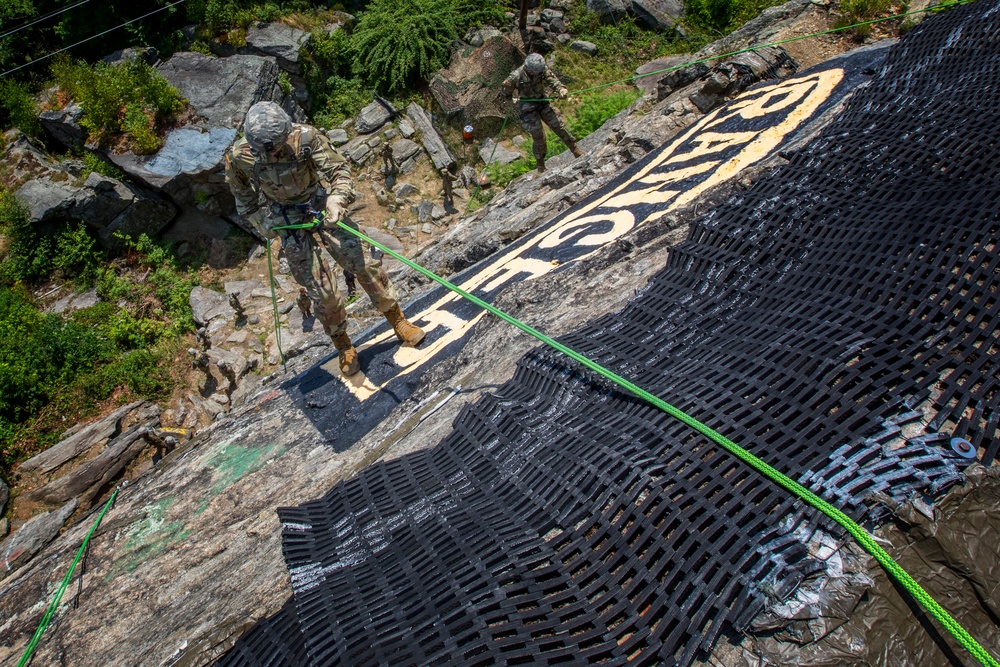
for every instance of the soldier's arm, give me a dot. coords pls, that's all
(332, 170)
(510, 83)
(553, 81)
(241, 184)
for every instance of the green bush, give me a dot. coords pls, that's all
(400, 42)
(859, 11)
(596, 108)
(17, 108)
(723, 16)
(76, 254)
(343, 99)
(28, 255)
(38, 353)
(131, 99)
(103, 167)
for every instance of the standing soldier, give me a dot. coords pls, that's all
(304, 303)
(389, 166)
(447, 178)
(530, 82)
(281, 171)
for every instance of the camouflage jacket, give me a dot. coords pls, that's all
(306, 161)
(533, 88)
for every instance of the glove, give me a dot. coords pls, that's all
(517, 100)
(334, 210)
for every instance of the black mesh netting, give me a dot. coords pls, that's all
(813, 319)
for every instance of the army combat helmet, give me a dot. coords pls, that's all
(266, 127)
(534, 64)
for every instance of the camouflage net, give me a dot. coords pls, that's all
(469, 89)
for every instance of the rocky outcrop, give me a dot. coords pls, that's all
(59, 192)
(87, 481)
(64, 125)
(433, 144)
(80, 441)
(279, 40)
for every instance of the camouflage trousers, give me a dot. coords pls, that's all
(307, 251)
(532, 115)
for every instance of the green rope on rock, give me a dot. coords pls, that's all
(54, 604)
(856, 531)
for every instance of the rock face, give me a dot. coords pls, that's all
(433, 144)
(54, 193)
(650, 74)
(32, 537)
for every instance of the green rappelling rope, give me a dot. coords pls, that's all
(54, 605)
(856, 531)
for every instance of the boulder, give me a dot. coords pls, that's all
(147, 53)
(406, 129)
(189, 166)
(279, 40)
(610, 11)
(32, 537)
(583, 46)
(73, 302)
(479, 36)
(493, 153)
(405, 190)
(658, 14)
(374, 116)
(338, 137)
(740, 72)
(404, 149)
(440, 156)
(357, 151)
(64, 125)
(207, 305)
(220, 90)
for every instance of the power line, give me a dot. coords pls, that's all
(43, 18)
(82, 41)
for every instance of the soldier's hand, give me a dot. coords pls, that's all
(334, 210)
(516, 99)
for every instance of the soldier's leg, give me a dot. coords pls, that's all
(532, 124)
(551, 117)
(309, 270)
(346, 249)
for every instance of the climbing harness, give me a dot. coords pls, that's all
(863, 537)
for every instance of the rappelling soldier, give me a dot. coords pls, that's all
(531, 82)
(280, 174)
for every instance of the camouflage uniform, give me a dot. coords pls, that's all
(305, 171)
(533, 113)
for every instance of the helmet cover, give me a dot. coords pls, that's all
(534, 64)
(266, 127)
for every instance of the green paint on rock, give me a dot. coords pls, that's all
(148, 537)
(230, 463)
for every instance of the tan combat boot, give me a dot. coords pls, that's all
(574, 150)
(349, 363)
(405, 331)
